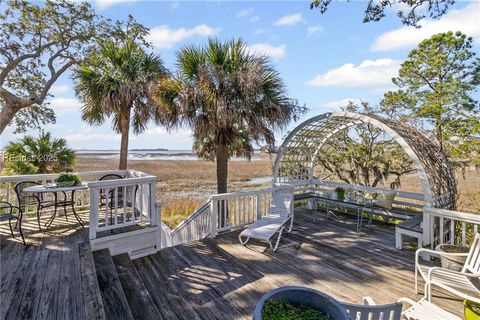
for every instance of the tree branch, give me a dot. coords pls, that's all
(15, 62)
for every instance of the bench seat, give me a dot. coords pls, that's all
(412, 228)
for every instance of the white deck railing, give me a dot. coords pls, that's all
(234, 210)
(452, 227)
(194, 227)
(122, 203)
(221, 213)
(82, 197)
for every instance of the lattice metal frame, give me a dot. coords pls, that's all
(296, 156)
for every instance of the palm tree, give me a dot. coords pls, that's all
(230, 98)
(43, 154)
(115, 82)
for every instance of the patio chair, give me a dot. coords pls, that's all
(26, 199)
(279, 214)
(118, 197)
(368, 310)
(7, 212)
(425, 310)
(464, 283)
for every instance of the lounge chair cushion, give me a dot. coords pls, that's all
(385, 199)
(264, 228)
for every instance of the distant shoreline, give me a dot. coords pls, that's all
(154, 154)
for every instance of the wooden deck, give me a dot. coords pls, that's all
(42, 280)
(214, 278)
(220, 279)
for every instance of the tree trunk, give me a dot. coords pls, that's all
(124, 130)
(6, 116)
(222, 174)
(222, 168)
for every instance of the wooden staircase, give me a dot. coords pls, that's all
(124, 295)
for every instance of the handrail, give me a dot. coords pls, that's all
(191, 217)
(195, 227)
(121, 182)
(401, 194)
(245, 193)
(48, 176)
(457, 215)
(453, 227)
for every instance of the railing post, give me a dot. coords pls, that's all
(427, 228)
(213, 217)
(259, 206)
(93, 226)
(154, 213)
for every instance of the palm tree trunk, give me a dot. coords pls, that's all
(222, 174)
(124, 130)
(222, 168)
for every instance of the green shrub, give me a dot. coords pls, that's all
(43, 154)
(283, 310)
(70, 179)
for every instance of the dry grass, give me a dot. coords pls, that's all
(184, 185)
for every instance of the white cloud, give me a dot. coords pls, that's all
(336, 105)
(289, 20)
(245, 12)
(63, 106)
(102, 4)
(261, 31)
(163, 37)
(255, 19)
(59, 89)
(466, 20)
(371, 74)
(269, 50)
(314, 30)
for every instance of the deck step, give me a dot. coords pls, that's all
(91, 292)
(138, 297)
(114, 301)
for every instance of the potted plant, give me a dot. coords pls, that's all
(68, 180)
(340, 193)
(300, 303)
(472, 310)
(452, 262)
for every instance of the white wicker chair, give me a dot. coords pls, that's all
(464, 283)
(279, 214)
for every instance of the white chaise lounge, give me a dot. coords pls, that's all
(280, 213)
(464, 283)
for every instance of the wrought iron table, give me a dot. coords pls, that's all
(359, 204)
(57, 203)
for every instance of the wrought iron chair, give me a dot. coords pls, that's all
(7, 213)
(117, 196)
(38, 200)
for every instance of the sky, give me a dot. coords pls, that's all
(324, 60)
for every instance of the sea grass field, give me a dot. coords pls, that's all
(183, 185)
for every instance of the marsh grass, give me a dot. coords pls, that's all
(183, 186)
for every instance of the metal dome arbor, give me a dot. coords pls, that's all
(297, 155)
